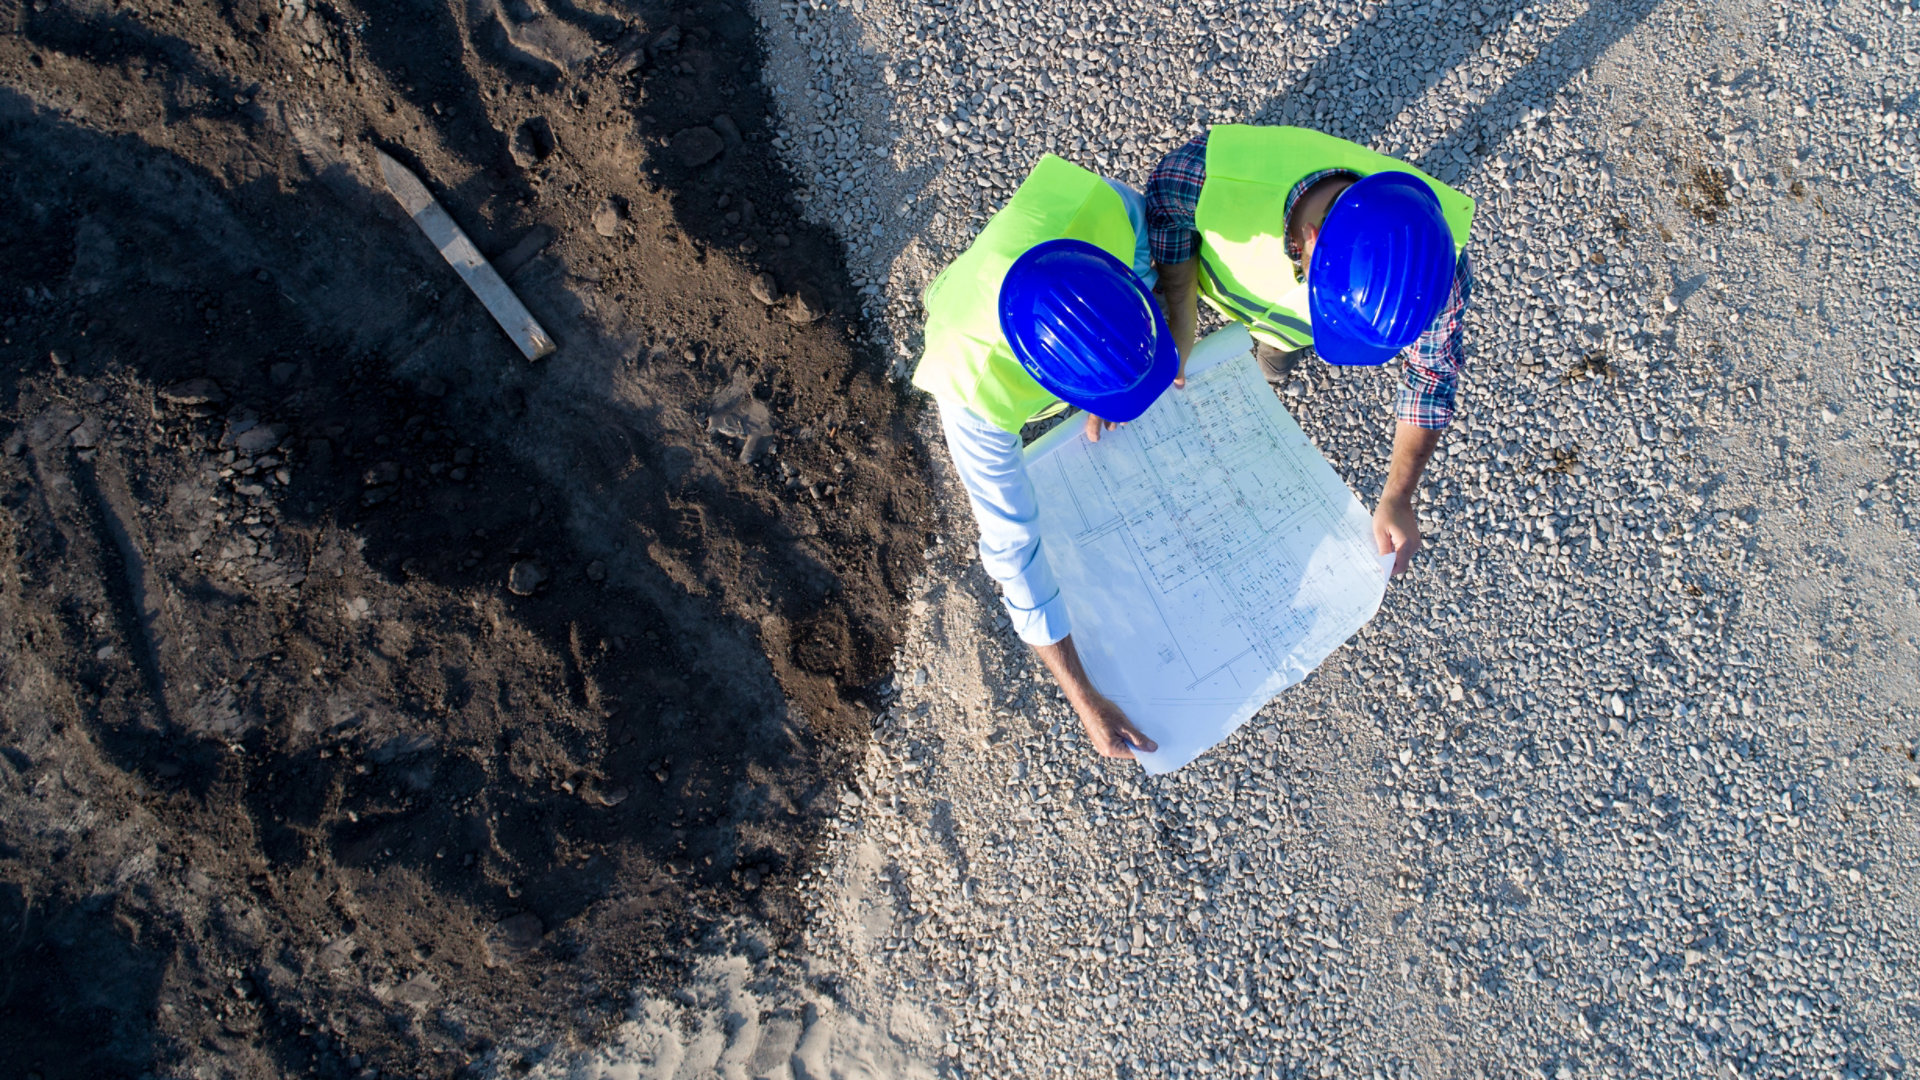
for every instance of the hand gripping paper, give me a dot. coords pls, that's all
(1209, 555)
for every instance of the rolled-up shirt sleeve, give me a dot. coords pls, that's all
(1432, 365)
(991, 467)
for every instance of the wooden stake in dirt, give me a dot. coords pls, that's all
(460, 253)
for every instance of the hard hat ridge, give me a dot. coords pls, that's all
(1381, 270)
(1086, 329)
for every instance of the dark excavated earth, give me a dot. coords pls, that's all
(374, 697)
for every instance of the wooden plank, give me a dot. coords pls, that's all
(480, 276)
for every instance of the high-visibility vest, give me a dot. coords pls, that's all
(966, 360)
(1242, 221)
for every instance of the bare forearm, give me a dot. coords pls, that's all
(1179, 296)
(1412, 446)
(1063, 660)
(1108, 729)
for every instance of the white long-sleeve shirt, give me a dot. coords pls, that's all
(994, 473)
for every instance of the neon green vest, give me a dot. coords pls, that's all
(1241, 218)
(966, 361)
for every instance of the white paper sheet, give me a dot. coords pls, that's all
(1209, 555)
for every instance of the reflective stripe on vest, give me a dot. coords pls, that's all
(1241, 219)
(966, 360)
(1250, 311)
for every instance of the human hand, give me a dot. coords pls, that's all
(1095, 426)
(1396, 529)
(1109, 730)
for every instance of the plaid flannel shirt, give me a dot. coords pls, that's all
(1430, 366)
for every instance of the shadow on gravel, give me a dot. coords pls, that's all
(385, 809)
(1372, 67)
(1573, 50)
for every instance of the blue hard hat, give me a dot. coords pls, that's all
(1087, 329)
(1382, 269)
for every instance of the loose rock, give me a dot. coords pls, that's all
(804, 306)
(193, 392)
(765, 288)
(532, 142)
(516, 935)
(696, 146)
(525, 577)
(608, 216)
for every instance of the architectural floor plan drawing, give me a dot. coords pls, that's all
(1210, 556)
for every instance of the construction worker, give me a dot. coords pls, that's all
(1065, 264)
(1321, 246)
(1051, 307)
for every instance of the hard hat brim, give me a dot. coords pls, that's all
(1347, 350)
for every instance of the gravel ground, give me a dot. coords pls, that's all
(1622, 780)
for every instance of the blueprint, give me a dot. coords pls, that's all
(1209, 555)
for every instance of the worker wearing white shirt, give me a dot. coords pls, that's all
(1063, 243)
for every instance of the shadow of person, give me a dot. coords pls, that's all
(1359, 86)
(1572, 51)
(1405, 49)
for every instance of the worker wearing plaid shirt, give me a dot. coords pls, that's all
(1431, 365)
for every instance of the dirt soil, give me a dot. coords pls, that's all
(373, 697)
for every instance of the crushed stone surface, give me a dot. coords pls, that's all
(1622, 780)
